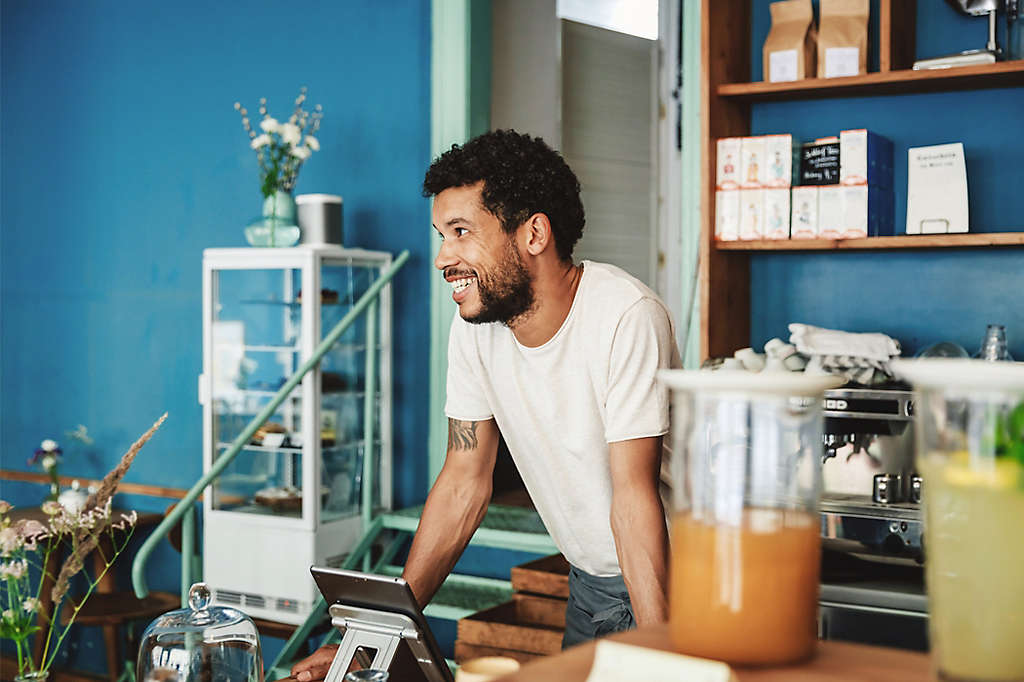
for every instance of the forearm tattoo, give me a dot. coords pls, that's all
(461, 435)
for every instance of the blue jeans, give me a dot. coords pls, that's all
(596, 607)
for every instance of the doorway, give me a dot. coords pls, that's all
(466, 34)
(585, 76)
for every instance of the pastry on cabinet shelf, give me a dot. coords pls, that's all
(285, 498)
(269, 427)
(332, 382)
(326, 296)
(279, 499)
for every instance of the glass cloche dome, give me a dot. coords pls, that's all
(201, 642)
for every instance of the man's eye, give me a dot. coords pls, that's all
(459, 231)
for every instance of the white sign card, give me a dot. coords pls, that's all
(937, 189)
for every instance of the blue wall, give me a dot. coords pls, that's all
(919, 297)
(123, 158)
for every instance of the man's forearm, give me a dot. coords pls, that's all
(641, 542)
(451, 515)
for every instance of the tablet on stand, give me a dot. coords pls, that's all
(382, 627)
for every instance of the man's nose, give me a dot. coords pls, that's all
(445, 257)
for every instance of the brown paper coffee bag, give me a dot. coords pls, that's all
(843, 38)
(789, 52)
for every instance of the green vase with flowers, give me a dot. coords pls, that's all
(281, 149)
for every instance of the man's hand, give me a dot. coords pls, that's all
(638, 524)
(315, 667)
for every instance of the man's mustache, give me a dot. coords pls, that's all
(455, 272)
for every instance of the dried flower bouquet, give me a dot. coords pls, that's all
(25, 550)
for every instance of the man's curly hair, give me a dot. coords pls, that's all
(522, 175)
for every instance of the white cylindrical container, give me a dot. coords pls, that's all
(319, 217)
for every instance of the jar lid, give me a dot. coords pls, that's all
(740, 381)
(199, 616)
(961, 373)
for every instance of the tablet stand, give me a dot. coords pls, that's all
(379, 630)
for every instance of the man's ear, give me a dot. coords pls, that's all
(535, 234)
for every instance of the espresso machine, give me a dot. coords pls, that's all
(872, 583)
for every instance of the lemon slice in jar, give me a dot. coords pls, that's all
(997, 473)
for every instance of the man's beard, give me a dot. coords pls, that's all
(506, 291)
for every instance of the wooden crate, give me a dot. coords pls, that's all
(548, 576)
(465, 651)
(527, 623)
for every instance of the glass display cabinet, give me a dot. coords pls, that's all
(292, 497)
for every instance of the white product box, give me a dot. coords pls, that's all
(805, 212)
(853, 157)
(751, 213)
(728, 175)
(865, 158)
(752, 165)
(831, 218)
(778, 157)
(855, 211)
(727, 215)
(776, 214)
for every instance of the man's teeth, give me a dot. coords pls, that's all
(460, 284)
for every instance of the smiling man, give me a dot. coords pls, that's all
(560, 359)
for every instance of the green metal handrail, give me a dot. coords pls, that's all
(368, 299)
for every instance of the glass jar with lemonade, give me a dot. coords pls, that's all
(970, 453)
(745, 530)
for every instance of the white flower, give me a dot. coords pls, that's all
(8, 615)
(80, 433)
(50, 508)
(10, 540)
(301, 153)
(29, 528)
(13, 570)
(290, 133)
(269, 125)
(48, 445)
(4, 506)
(31, 604)
(312, 143)
(49, 461)
(260, 141)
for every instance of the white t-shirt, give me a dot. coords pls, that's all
(559, 405)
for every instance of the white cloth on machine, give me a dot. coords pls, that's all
(862, 358)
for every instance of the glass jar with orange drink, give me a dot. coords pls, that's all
(745, 530)
(970, 454)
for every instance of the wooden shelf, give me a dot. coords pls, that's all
(998, 75)
(923, 241)
(727, 103)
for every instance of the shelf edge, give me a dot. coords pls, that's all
(930, 241)
(907, 80)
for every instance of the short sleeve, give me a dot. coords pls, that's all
(636, 405)
(465, 398)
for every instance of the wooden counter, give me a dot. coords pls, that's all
(835, 662)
